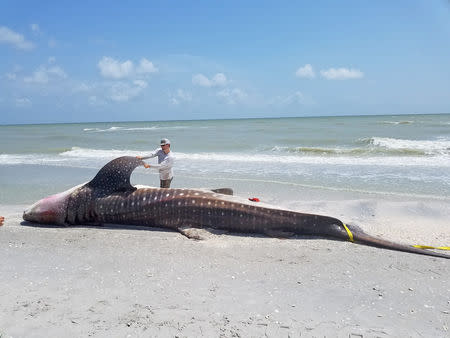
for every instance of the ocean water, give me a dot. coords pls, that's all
(405, 156)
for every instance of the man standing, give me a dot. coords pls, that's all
(165, 163)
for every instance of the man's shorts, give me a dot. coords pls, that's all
(165, 183)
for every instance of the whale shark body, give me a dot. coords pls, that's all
(110, 198)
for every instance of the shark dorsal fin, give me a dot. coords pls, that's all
(224, 191)
(115, 175)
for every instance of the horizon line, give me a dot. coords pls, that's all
(222, 119)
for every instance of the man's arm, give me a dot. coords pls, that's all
(152, 154)
(166, 164)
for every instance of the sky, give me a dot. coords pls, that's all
(94, 61)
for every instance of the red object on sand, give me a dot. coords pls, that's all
(254, 199)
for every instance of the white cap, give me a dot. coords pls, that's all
(165, 141)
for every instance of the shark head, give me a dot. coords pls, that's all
(113, 177)
(49, 210)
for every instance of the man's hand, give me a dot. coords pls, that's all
(147, 165)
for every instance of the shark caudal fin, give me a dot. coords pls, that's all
(358, 236)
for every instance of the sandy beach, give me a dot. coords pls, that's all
(337, 110)
(116, 281)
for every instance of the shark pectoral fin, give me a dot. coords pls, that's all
(194, 233)
(279, 233)
(217, 232)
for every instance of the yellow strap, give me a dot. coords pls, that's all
(350, 235)
(432, 247)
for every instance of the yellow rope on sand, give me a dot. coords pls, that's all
(432, 247)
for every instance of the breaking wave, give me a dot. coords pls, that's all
(119, 129)
(82, 157)
(376, 146)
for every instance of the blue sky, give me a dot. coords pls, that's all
(76, 61)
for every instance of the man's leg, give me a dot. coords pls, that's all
(165, 183)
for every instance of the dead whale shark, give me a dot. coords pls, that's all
(110, 198)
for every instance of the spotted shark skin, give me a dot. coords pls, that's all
(110, 198)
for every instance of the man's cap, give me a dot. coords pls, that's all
(165, 141)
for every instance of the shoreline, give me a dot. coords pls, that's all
(16, 190)
(119, 281)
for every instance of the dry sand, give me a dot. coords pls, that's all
(142, 282)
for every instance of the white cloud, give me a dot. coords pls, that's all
(11, 76)
(341, 74)
(201, 80)
(218, 80)
(232, 96)
(17, 40)
(35, 28)
(184, 95)
(83, 87)
(17, 68)
(118, 91)
(51, 59)
(180, 96)
(306, 71)
(111, 68)
(45, 74)
(140, 83)
(52, 43)
(294, 98)
(23, 102)
(39, 76)
(95, 101)
(146, 67)
(56, 70)
(122, 92)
